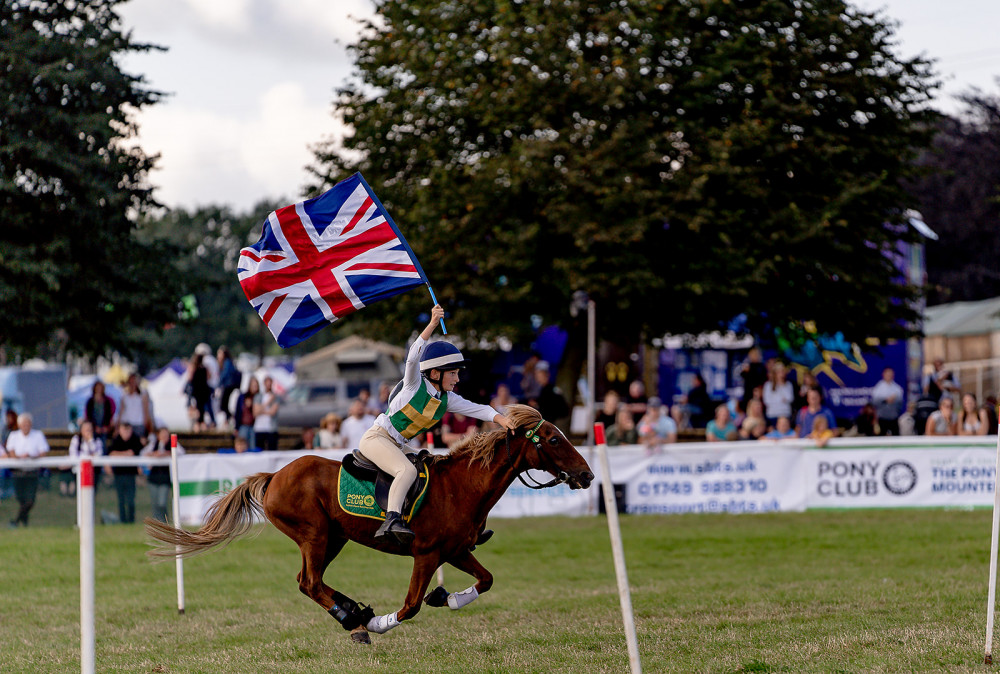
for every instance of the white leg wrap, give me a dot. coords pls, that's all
(381, 624)
(457, 600)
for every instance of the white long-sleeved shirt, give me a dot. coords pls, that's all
(412, 381)
(30, 445)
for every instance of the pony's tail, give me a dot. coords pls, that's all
(228, 518)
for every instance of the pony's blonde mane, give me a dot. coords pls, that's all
(481, 446)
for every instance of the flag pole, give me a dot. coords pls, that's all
(435, 301)
(991, 600)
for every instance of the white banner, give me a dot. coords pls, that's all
(731, 477)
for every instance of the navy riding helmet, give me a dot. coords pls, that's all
(441, 356)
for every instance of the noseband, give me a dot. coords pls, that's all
(532, 434)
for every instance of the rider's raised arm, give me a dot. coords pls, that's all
(411, 373)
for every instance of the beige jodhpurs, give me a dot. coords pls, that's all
(379, 448)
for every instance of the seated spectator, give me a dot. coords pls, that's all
(866, 423)
(608, 413)
(457, 427)
(972, 419)
(307, 440)
(942, 421)
(722, 426)
(329, 432)
(623, 431)
(990, 407)
(699, 403)
(240, 446)
(908, 419)
(821, 432)
(159, 476)
(656, 427)
(84, 443)
(754, 425)
(782, 430)
(814, 408)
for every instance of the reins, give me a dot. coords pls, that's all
(532, 435)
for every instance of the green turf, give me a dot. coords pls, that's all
(863, 591)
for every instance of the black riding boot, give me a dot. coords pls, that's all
(395, 525)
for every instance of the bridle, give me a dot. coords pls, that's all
(532, 435)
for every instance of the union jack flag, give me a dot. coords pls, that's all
(322, 259)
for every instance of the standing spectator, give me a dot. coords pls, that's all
(530, 388)
(656, 427)
(753, 373)
(779, 394)
(990, 407)
(943, 420)
(972, 420)
(230, 379)
(265, 412)
(9, 426)
(245, 405)
(608, 413)
(25, 443)
(329, 432)
(623, 430)
(502, 399)
(384, 391)
(699, 403)
(940, 381)
(200, 394)
(814, 408)
(722, 426)
(99, 410)
(135, 409)
(212, 366)
(551, 402)
(355, 425)
(125, 443)
(754, 424)
(159, 476)
(887, 396)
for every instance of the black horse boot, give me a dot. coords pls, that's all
(395, 525)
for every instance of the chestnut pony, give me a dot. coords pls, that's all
(301, 501)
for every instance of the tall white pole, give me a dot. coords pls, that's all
(991, 600)
(175, 483)
(591, 369)
(85, 497)
(618, 552)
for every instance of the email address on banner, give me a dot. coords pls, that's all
(703, 468)
(709, 506)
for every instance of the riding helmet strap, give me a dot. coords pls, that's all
(350, 613)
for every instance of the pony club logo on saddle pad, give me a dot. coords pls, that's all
(363, 490)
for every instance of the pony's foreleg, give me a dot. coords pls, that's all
(456, 600)
(423, 569)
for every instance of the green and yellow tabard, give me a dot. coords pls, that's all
(421, 414)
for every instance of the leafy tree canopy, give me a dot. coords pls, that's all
(74, 274)
(682, 162)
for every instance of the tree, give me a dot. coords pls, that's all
(75, 275)
(960, 199)
(682, 162)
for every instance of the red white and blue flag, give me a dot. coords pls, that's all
(322, 259)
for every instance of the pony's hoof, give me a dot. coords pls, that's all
(437, 597)
(359, 635)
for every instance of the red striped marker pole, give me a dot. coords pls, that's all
(617, 550)
(86, 500)
(176, 489)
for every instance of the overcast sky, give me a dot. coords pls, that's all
(250, 83)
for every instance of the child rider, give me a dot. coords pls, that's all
(427, 391)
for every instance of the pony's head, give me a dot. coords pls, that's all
(547, 448)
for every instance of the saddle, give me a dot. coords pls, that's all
(363, 489)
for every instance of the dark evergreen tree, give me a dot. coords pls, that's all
(74, 273)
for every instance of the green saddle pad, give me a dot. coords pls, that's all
(367, 498)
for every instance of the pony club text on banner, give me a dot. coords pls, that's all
(321, 259)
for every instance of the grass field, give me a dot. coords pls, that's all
(865, 591)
